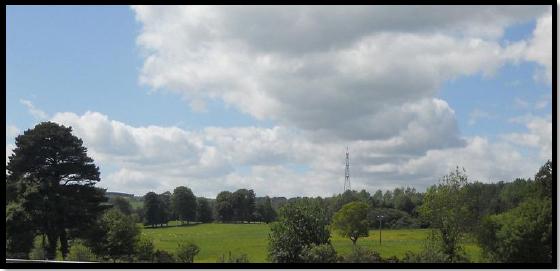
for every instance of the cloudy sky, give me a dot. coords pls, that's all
(268, 98)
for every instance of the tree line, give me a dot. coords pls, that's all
(54, 208)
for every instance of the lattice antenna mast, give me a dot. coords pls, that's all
(347, 172)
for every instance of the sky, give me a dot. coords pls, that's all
(269, 97)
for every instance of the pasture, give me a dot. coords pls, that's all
(215, 239)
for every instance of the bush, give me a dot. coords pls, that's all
(324, 253)
(433, 252)
(187, 252)
(241, 258)
(301, 223)
(80, 252)
(37, 253)
(362, 255)
(144, 250)
(162, 256)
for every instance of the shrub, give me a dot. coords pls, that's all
(324, 253)
(144, 250)
(301, 223)
(80, 252)
(187, 252)
(162, 256)
(362, 255)
(241, 258)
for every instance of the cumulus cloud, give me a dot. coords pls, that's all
(540, 46)
(155, 158)
(37, 113)
(362, 76)
(335, 70)
(538, 135)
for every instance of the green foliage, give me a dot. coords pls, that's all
(301, 223)
(393, 219)
(144, 249)
(51, 161)
(187, 251)
(241, 258)
(121, 204)
(224, 207)
(204, 211)
(119, 235)
(444, 206)
(351, 221)
(323, 253)
(37, 253)
(162, 256)
(516, 192)
(265, 212)
(362, 255)
(184, 204)
(523, 234)
(19, 231)
(433, 252)
(543, 180)
(153, 210)
(243, 203)
(80, 252)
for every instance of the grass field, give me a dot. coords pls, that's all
(216, 239)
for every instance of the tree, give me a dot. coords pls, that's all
(377, 199)
(388, 199)
(444, 206)
(20, 231)
(54, 163)
(204, 211)
(351, 221)
(265, 212)
(120, 235)
(243, 203)
(523, 234)
(301, 223)
(122, 205)
(166, 210)
(224, 208)
(154, 213)
(184, 204)
(187, 252)
(543, 179)
(144, 249)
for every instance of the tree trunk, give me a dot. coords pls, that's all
(63, 243)
(52, 237)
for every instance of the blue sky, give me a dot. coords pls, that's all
(86, 58)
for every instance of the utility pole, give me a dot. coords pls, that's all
(380, 217)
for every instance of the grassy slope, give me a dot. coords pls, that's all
(217, 239)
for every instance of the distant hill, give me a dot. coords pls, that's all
(118, 194)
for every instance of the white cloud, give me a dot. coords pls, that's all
(154, 158)
(540, 46)
(539, 134)
(37, 113)
(484, 161)
(332, 71)
(11, 132)
(9, 151)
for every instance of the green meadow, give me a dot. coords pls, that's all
(216, 239)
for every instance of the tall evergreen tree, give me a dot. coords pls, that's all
(52, 177)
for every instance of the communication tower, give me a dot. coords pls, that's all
(347, 172)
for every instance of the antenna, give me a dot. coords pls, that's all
(347, 172)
